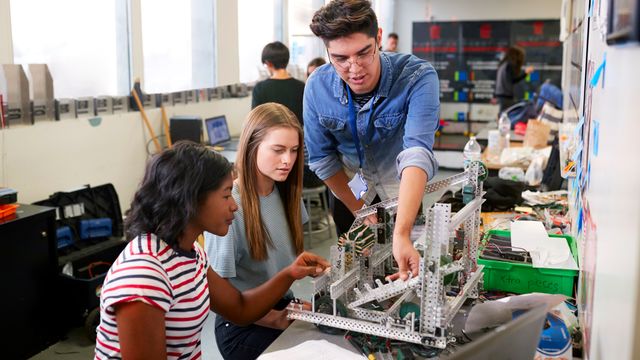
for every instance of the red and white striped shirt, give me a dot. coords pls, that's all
(174, 281)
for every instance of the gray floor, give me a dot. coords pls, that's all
(77, 346)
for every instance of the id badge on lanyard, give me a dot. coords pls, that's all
(358, 185)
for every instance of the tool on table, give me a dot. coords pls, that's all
(499, 248)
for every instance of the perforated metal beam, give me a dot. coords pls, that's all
(457, 302)
(369, 315)
(345, 283)
(464, 213)
(367, 328)
(386, 291)
(396, 305)
(431, 187)
(321, 282)
(381, 255)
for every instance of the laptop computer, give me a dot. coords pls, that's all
(218, 132)
(515, 340)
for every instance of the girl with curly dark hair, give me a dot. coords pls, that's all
(156, 296)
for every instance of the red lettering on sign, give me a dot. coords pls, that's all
(538, 28)
(485, 31)
(434, 32)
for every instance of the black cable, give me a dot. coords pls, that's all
(424, 351)
(465, 335)
(158, 137)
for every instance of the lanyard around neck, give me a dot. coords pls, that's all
(353, 116)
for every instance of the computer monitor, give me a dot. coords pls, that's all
(218, 130)
(518, 339)
(185, 128)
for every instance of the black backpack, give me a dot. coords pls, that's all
(501, 195)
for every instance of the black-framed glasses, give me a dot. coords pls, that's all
(361, 60)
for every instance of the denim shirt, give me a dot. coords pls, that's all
(398, 134)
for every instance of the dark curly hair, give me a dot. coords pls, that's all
(175, 183)
(342, 18)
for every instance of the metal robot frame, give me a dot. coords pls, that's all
(363, 254)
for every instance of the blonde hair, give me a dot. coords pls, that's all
(259, 122)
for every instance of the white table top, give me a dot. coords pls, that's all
(303, 340)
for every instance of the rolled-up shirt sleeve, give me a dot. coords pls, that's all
(421, 124)
(418, 157)
(320, 143)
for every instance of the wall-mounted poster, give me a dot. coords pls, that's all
(439, 42)
(624, 21)
(466, 55)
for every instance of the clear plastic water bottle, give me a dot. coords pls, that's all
(504, 124)
(472, 151)
(504, 127)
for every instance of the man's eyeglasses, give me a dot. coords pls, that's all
(362, 60)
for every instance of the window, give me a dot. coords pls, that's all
(178, 45)
(259, 23)
(304, 45)
(84, 43)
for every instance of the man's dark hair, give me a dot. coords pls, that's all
(393, 35)
(175, 183)
(317, 62)
(277, 54)
(342, 18)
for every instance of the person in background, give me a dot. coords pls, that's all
(267, 233)
(392, 43)
(313, 64)
(283, 89)
(158, 293)
(310, 180)
(370, 122)
(280, 88)
(509, 74)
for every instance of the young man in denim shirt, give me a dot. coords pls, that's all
(393, 101)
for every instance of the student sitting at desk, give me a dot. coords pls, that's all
(156, 296)
(267, 234)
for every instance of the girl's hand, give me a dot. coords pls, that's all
(307, 264)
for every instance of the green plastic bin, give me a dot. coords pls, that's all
(522, 278)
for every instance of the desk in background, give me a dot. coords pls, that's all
(230, 155)
(502, 220)
(483, 135)
(497, 166)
